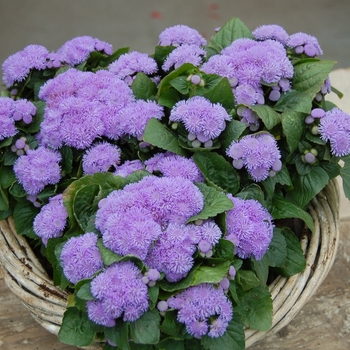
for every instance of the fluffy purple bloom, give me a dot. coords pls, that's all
(247, 94)
(249, 226)
(37, 169)
(179, 35)
(128, 167)
(173, 165)
(200, 116)
(120, 292)
(305, 43)
(100, 158)
(81, 258)
(184, 54)
(24, 110)
(7, 122)
(172, 252)
(258, 153)
(18, 66)
(130, 232)
(335, 128)
(77, 50)
(203, 309)
(129, 64)
(271, 31)
(51, 220)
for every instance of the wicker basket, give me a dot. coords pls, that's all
(24, 275)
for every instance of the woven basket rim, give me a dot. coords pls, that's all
(27, 279)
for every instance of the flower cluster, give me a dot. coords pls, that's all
(156, 182)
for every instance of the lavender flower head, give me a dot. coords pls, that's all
(200, 116)
(51, 220)
(179, 35)
(7, 122)
(38, 168)
(184, 54)
(249, 226)
(77, 50)
(305, 43)
(258, 153)
(335, 128)
(128, 64)
(120, 292)
(100, 158)
(204, 310)
(271, 31)
(18, 66)
(24, 110)
(172, 252)
(173, 165)
(81, 258)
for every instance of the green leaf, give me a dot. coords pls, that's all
(143, 87)
(83, 291)
(171, 344)
(17, 190)
(247, 279)
(83, 204)
(67, 159)
(180, 84)
(282, 177)
(295, 261)
(255, 308)
(293, 126)
(215, 202)
(295, 101)
(170, 324)
(232, 132)
(345, 175)
(268, 115)
(309, 75)
(108, 256)
(261, 268)
(153, 293)
(115, 55)
(119, 334)
(217, 171)
(76, 328)
(308, 186)
(157, 134)
(282, 208)
(23, 216)
(209, 274)
(4, 200)
(225, 249)
(145, 330)
(232, 30)
(232, 339)
(277, 252)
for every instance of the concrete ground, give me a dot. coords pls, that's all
(324, 322)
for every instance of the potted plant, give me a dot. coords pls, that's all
(155, 198)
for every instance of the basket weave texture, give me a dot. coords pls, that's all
(26, 278)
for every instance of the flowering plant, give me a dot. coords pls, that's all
(158, 187)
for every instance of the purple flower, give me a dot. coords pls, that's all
(128, 64)
(37, 169)
(305, 43)
(24, 110)
(249, 226)
(7, 122)
(18, 66)
(128, 167)
(179, 35)
(203, 308)
(184, 54)
(81, 258)
(51, 220)
(97, 313)
(200, 116)
(335, 127)
(247, 94)
(172, 252)
(173, 165)
(77, 50)
(258, 153)
(100, 158)
(271, 31)
(120, 292)
(130, 232)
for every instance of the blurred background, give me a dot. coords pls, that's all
(137, 23)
